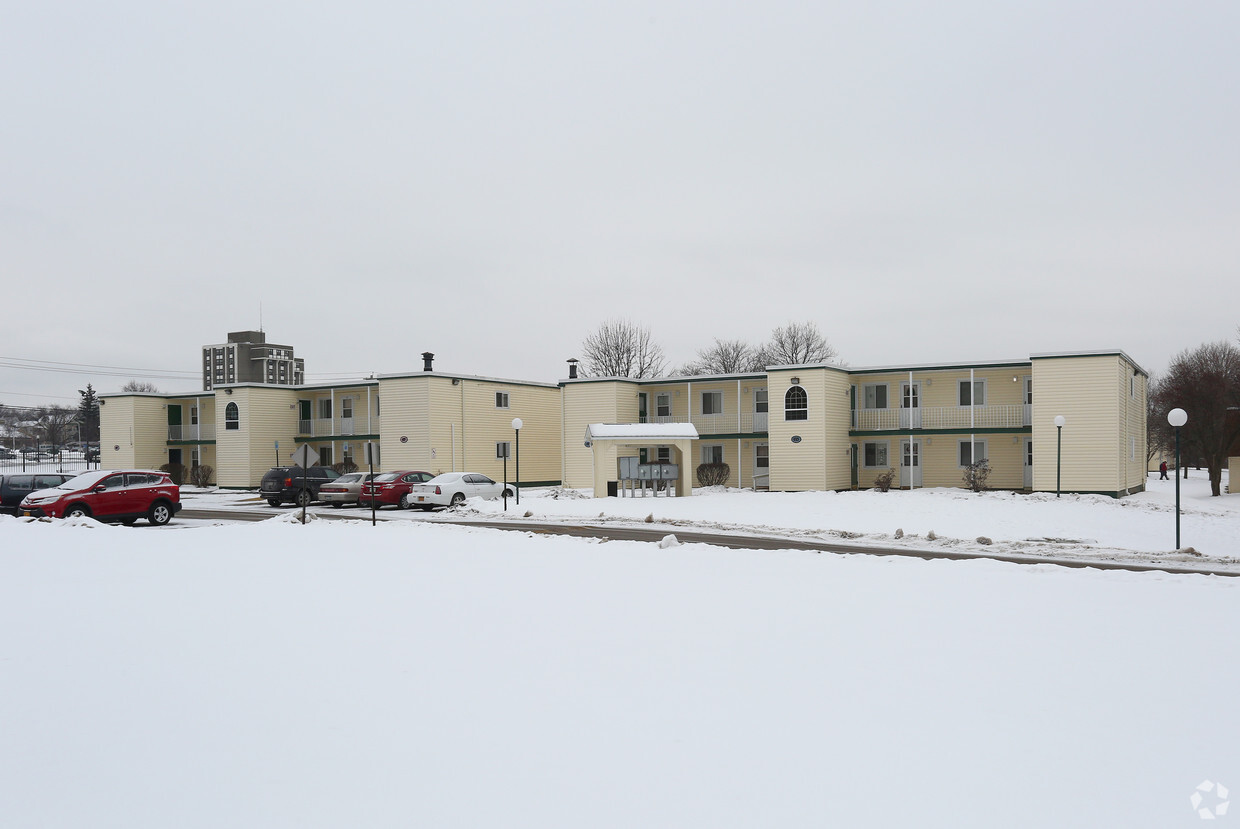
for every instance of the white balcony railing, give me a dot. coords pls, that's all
(327, 427)
(717, 424)
(196, 431)
(1008, 416)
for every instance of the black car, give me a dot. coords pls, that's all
(13, 488)
(294, 485)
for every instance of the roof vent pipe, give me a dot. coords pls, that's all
(427, 359)
(572, 368)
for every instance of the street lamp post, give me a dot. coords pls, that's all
(516, 427)
(1177, 418)
(1059, 422)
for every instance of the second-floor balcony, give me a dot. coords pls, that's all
(194, 431)
(1007, 416)
(718, 424)
(328, 427)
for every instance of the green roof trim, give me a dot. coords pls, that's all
(994, 430)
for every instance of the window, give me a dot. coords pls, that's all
(325, 456)
(978, 452)
(501, 400)
(759, 401)
(876, 396)
(712, 453)
(712, 402)
(875, 454)
(973, 394)
(232, 416)
(796, 404)
(503, 450)
(663, 454)
(193, 415)
(325, 408)
(762, 456)
(346, 408)
(663, 405)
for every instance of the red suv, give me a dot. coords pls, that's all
(391, 488)
(122, 496)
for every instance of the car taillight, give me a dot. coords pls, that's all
(438, 491)
(288, 481)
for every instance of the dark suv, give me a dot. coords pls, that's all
(13, 488)
(284, 484)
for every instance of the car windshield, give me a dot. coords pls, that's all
(84, 481)
(386, 477)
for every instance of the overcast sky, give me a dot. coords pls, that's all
(491, 181)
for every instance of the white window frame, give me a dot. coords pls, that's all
(803, 414)
(709, 450)
(501, 400)
(346, 407)
(886, 450)
(762, 456)
(232, 423)
(717, 405)
(870, 390)
(978, 453)
(961, 385)
(663, 404)
(663, 454)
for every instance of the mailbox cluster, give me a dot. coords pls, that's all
(636, 476)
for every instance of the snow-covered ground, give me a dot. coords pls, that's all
(415, 674)
(1139, 528)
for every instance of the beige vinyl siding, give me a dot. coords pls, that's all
(404, 412)
(454, 427)
(267, 414)
(821, 459)
(607, 401)
(133, 432)
(1091, 392)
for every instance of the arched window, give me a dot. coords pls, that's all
(232, 416)
(796, 404)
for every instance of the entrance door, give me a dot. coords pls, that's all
(1028, 463)
(910, 405)
(346, 416)
(855, 473)
(174, 422)
(303, 418)
(759, 410)
(643, 411)
(910, 463)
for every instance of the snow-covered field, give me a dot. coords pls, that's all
(415, 674)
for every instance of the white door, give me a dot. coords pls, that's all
(346, 416)
(910, 405)
(910, 463)
(759, 410)
(1028, 463)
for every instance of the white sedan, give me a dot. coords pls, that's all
(452, 488)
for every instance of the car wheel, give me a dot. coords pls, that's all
(458, 498)
(77, 511)
(160, 513)
(304, 498)
(404, 502)
(425, 507)
(275, 502)
(129, 522)
(508, 493)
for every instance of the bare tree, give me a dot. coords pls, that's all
(1205, 383)
(56, 424)
(140, 386)
(796, 343)
(1158, 434)
(620, 348)
(725, 357)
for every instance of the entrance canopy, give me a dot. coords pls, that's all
(605, 439)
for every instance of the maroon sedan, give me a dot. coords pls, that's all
(391, 489)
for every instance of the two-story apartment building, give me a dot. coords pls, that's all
(789, 428)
